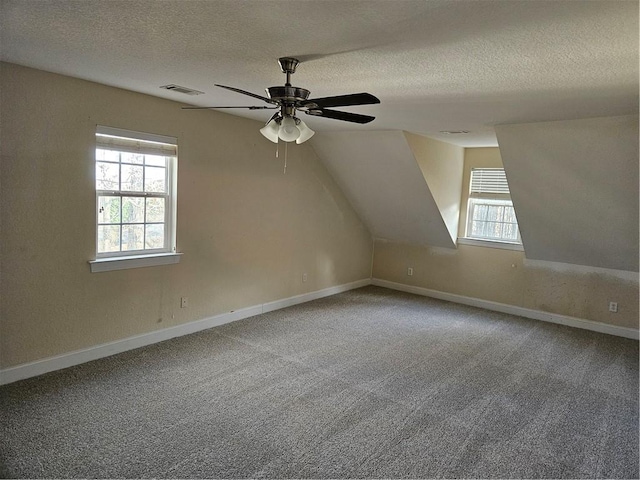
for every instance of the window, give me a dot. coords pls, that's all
(490, 214)
(135, 193)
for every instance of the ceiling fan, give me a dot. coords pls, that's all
(287, 99)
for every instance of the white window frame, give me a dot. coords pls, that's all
(493, 191)
(140, 142)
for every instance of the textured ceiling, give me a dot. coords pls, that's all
(436, 65)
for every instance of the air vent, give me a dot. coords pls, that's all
(454, 132)
(179, 89)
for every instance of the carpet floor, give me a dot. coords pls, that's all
(370, 383)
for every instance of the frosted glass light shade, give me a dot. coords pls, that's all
(288, 131)
(270, 130)
(305, 132)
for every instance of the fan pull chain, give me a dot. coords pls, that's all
(286, 151)
(285, 158)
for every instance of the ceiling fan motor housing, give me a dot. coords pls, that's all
(287, 94)
(287, 97)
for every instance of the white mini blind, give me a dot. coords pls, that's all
(488, 180)
(109, 138)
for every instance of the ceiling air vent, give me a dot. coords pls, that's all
(179, 89)
(454, 132)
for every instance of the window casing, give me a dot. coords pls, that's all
(135, 193)
(490, 213)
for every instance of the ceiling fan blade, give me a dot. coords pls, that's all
(237, 90)
(250, 108)
(337, 115)
(342, 100)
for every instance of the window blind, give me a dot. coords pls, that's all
(488, 180)
(109, 138)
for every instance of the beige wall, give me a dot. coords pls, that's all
(248, 232)
(506, 276)
(442, 165)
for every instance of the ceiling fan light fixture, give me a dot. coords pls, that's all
(288, 131)
(305, 132)
(270, 130)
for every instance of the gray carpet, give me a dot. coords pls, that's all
(368, 383)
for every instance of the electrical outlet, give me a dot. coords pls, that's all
(184, 302)
(410, 271)
(613, 307)
(304, 277)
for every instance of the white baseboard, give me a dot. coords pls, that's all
(77, 357)
(307, 297)
(511, 309)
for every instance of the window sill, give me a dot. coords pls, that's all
(134, 261)
(490, 244)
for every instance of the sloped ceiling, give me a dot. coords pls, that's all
(379, 174)
(574, 185)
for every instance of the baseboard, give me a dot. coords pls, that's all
(511, 309)
(307, 297)
(58, 362)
